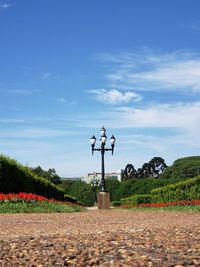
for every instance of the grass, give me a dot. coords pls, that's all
(38, 207)
(182, 208)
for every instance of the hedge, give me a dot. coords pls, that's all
(72, 199)
(184, 190)
(136, 199)
(116, 203)
(15, 178)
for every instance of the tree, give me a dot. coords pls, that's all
(50, 175)
(157, 166)
(146, 170)
(81, 191)
(153, 168)
(112, 187)
(53, 177)
(139, 173)
(129, 172)
(183, 168)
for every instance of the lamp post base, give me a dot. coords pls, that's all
(103, 199)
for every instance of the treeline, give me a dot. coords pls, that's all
(154, 168)
(86, 194)
(137, 185)
(50, 174)
(182, 183)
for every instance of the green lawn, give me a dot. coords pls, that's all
(43, 206)
(183, 208)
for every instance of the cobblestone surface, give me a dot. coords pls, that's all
(104, 238)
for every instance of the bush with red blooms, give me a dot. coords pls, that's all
(22, 197)
(173, 203)
(167, 204)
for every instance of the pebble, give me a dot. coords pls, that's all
(106, 238)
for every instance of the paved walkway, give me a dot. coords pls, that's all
(104, 238)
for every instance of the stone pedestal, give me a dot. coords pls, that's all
(103, 199)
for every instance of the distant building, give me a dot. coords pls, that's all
(97, 176)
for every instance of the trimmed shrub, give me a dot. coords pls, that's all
(138, 187)
(184, 190)
(116, 203)
(15, 178)
(70, 198)
(136, 200)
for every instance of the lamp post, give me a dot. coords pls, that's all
(102, 149)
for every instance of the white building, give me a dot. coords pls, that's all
(97, 176)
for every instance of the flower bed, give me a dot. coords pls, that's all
(173, 203)
(167, 204)
(32, 203)
(22, 197)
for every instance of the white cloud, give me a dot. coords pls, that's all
(183, 118)
(174, 75)
(179, 70)
(5, 5)
(114, 96)
(179, 115)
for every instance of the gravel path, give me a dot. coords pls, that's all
(105, 238)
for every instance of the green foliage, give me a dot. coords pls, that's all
(116, 203)
(83, 192)
(183, 168)
(137, 187)
(136, 200)
(72, 199)
(125, 189)
(49, 175)
(15, 178)
(181, 208)
(144, 186)
(80, 190)
(129, 172)
(41, 206)
(183, 190)
(153, 168)
(112, 186)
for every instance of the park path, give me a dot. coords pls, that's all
(100, 238)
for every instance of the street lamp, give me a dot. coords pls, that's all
(102, 149)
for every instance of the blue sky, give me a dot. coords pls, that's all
(69, 67)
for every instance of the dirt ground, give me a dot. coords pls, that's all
(100, 238)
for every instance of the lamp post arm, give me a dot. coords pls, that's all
(105, 149)
(108, 149)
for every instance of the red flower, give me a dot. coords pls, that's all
(28, 197)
